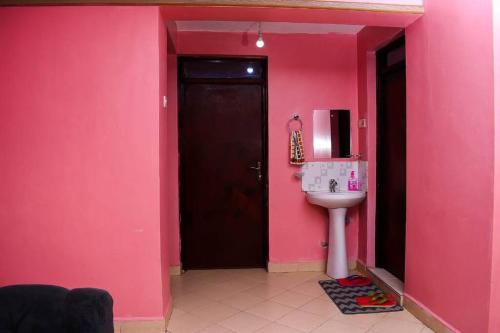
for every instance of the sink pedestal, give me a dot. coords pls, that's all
(337, 204)
(337, 255)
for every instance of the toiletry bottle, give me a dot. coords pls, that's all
(353, 184)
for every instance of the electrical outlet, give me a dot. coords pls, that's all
(165, 102)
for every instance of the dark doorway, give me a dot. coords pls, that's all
(223, 162)
(340, 131)
(391, 159)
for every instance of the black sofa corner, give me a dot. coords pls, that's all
(52, 309)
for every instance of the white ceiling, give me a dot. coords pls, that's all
(268, 27)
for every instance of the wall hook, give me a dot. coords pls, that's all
(295, 117)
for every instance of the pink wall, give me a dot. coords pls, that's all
(495, 239)
(82, 201)
(395, 2)
(163, 156)
(79, 152)
(369, 40)
(263, 14)
(450, 161)
(306, 72)
(173, 148)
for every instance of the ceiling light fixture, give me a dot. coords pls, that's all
(260, 40)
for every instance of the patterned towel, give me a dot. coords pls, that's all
(296, 148)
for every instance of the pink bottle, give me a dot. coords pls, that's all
(353, 184)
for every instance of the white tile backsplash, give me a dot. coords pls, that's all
(363, 175)
(316, 175)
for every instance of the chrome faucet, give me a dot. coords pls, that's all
(333, 185)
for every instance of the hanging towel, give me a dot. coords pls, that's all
(296, 148)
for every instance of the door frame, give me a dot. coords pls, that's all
(394, 44)
(265, 137)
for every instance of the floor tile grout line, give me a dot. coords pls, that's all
(291, 286)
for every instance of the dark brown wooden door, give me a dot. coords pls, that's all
(391, 159)
(222, 140)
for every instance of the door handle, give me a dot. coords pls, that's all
(258, 168)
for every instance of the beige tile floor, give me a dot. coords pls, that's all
(252, 300)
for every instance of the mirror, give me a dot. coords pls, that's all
(332, 133)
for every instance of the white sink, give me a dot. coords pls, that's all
(337, 204)
(332, 200)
